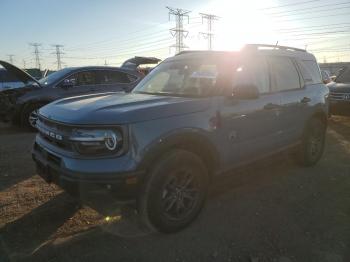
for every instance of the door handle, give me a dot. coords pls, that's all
(305, 100)
(271, 106)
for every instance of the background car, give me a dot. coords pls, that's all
(340, 93)
(8, 81)
(22, 103)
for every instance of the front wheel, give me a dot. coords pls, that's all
(30, 116)
(311, 149)
(174, 192)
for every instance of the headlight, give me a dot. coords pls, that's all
(97, 142)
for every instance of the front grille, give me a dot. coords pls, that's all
(339, 96)
(54, 133)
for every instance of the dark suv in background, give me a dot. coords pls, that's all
(340, 93)
(193, 118)
(21, 104)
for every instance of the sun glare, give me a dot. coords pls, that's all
(242, 22)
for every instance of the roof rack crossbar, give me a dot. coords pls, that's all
(280, 47)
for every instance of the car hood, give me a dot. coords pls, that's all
(112, 108)
(20, 74)
(339, 87)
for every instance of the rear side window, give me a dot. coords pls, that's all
(83, 78)
(114, 77)
(256, 73)
(310, 71)
(284, 74)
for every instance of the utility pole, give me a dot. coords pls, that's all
(24, 64)
(106, 63)
(11, 58)
(179, 31)
(209, 34)
(36, 54)
(58, 54)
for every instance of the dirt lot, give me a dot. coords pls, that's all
(270, 211)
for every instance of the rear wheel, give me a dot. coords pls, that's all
(174, 191)
(311, 149)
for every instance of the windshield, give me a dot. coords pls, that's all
(183, 78)
(53, 77)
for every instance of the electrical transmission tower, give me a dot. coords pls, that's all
(179, 31)
(36, 54)
(209, 34)
(11, 58)
(58, 54)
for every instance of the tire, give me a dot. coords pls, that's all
(312, 146)
(174, 192)
(28, 114)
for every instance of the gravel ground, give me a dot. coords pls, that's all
(269, 211)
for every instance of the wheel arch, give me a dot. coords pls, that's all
(191, 141)
(321, 115)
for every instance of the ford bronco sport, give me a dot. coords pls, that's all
(196, 116)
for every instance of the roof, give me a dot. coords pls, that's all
(72, 69)
(270, 50)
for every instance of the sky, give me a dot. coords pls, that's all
(109, 32)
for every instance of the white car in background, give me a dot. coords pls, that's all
(8, 81)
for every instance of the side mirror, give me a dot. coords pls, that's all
(67, 83)
(246, 91)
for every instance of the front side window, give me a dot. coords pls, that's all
(284, 74)
(83, 78)
(54, 77)
(192, 78)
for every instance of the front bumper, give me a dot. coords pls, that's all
(73, 176)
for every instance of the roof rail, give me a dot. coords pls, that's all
(280, 47)
(189, 52)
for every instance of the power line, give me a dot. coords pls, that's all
(298, 3)
(308, 18)
(58, 55)
(209, 34)
(307, 12)
(303, 9)
(178, 31)
(36, 54)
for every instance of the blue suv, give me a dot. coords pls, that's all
(193, 118)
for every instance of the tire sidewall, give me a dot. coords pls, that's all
(173, 161)
(320, 126)
(28, 109)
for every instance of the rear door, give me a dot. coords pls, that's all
(252, 125)
(295, 99)
(114, 81)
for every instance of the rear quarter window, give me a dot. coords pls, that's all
(284, 74)
(310, 71)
